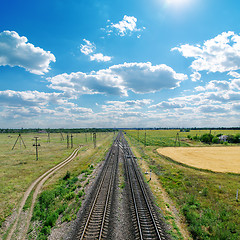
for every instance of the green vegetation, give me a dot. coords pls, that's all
(19, 168)
(206, 199)
(63, 200)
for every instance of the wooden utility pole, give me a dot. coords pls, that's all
(138, 135)
(62, 138)
(177, 140)
(145, 138)
(67, 141)
(71, 141)
(36, 144)
(48, 140)
(21, 140)
(94, 140)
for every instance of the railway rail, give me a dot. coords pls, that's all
(96, 218)
(144, 217)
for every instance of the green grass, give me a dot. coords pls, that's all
(63, 193)
(167, 138)
(19, 168)
(206, 199)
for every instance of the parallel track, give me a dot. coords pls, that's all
(145, 220)
(95, 222)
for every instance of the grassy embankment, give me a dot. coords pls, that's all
(206, 199)
(19, 167)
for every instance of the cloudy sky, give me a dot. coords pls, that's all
(121, 63)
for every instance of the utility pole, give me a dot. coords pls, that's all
(48, 140)
(67, 141)
(94, 140)
(145, 138)
(21, 140)
(86, 137)
(71, 141)
(36, 144)
(138, 135)
(177, 140)
(62, 138)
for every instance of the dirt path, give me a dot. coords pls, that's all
(38, 183)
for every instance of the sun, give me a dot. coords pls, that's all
(178, 2)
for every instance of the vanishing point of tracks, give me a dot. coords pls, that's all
(96, 218)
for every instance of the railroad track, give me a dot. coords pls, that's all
(144, 217)
(95, 221)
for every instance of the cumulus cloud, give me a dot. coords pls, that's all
(213, 109)
(29, 98)
(119, 79)
(99, 57)
(195, 76)
(16, 51)
(167, 105)
(125, 105)
(220, 54)
(30, 104)
(124, 27)
(89, 48)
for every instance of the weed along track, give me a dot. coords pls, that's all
(99, 214)
(144, 216)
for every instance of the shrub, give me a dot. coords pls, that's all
(67, 176)
(51, 219)
(206, 138)
(215, 140)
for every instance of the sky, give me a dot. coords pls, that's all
(121, 63)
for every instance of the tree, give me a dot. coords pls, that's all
(206, 138)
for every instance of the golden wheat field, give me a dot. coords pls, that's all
(219, 159)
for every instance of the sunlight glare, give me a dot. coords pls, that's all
(178, 2)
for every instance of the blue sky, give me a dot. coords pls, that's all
(139, 63)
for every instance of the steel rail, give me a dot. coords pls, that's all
(109, 156)
(134, 199)
(143, 191)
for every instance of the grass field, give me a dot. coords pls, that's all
(205, 199)
(166, 138)
(219, 159)
(18, 167)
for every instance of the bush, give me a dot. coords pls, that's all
(51, 219)
(215, 140)
(67, 176)
(206, 138)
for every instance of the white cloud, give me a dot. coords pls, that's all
(167, 105)
(89, 49)
(124, 27)
(195, 76)
(220, 54)
(119, 79)
(29, 98)
(99, 57)
(213, 109)
(16, 51)
(126, 105)
(234, 74)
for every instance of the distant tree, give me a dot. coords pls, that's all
(215, 140)
(206, 138)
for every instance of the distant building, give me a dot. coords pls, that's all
(223, 138)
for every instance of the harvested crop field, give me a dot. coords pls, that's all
(219, 159)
